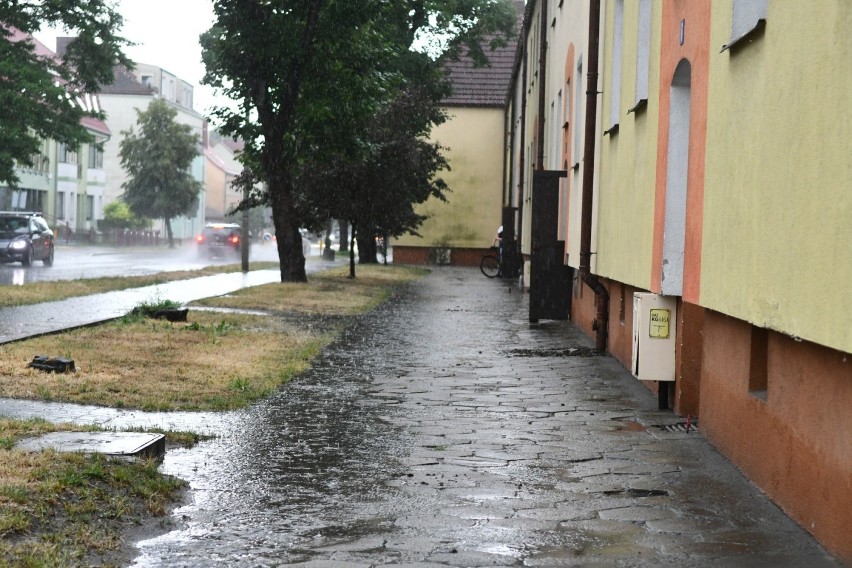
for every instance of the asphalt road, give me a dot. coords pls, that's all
(73, 262)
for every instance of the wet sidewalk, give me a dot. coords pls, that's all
(38, 319)
(444, 429)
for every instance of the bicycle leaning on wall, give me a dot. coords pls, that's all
(491, 265)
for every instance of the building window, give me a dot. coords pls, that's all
(748, 16)
(615, 77)
(147, 80)
(28, 200)
(578, 114)
(90, 207)
(66, 154)
(96, 158)
(643, 55)
(758, 377)
(60, 205)
(566, 125)
(557, 134)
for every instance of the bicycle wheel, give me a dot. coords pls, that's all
(489, 266)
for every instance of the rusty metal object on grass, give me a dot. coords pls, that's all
(53, 364)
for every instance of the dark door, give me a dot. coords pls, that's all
(550, 279)
(511, 255)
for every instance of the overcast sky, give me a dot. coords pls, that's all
(166, 32)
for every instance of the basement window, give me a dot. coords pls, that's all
(758, 380)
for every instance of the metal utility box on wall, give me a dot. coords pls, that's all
(654, 332)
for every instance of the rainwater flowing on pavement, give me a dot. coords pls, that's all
(444, 429)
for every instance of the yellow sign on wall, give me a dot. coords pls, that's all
(659, 323)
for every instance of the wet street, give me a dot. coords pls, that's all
(444, 429)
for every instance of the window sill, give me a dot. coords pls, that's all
(746, 38)
(641, 104)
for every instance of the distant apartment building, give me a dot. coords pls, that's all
(461, 229)
(220, 171)
(67, 185)
(131, 92)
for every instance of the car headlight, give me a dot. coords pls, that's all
(18, 245)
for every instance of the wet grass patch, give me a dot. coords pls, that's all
(329, 293)
(214, 361)
(70, 509)
(157, 365)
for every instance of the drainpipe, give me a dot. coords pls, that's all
(542, 85)
(522, 145)
(601, 294)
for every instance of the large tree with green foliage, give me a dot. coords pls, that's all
(157, 160)
(38, 92)
(377, 193)
(311, 73)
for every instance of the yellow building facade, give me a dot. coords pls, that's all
(467, 222)
(721, 189)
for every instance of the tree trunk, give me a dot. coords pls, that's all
(352, 256)
(367, 248)
(291, 258)
(169, 233)
(344, 235)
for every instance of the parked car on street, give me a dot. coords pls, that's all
(219, 239)
(25, 237)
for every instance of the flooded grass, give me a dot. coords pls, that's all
(37, 292)
(214, 361)
(71, 509)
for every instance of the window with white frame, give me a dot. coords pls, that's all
(566, 124)
(747, 17)
(578, 98)
(557, 134)
(96, 158)
(60, 205)
(66, 154)
(643, 54)
(615, 69)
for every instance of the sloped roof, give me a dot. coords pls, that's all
(483, 86)
(217, 161)
(125, 83)
(96, 125)
(40, 49)
(86, 101)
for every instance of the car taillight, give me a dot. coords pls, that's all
(200, 238)
(235, 239)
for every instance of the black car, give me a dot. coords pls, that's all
(25, 237)
(219, 239)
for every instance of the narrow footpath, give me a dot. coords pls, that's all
(444, 429)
